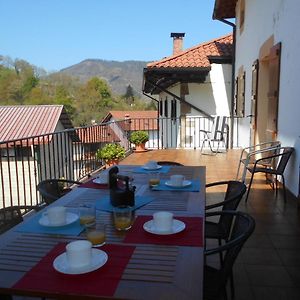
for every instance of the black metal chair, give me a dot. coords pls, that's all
(234, 193)
(216, 278)
(53, 189)
(280, 160)
(250, 154)
(12, 215)
(169, 163)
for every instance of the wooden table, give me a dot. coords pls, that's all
(153, 272)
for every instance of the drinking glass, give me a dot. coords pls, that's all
(154, 179)
(96, 234)
(122, 216)
(87, 215)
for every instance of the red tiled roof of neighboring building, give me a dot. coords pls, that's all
(197, 56)
(139, 120)
(97, 134)
(21, 121)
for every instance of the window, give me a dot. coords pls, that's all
(161, 107)
(173, 109)
(166, 107)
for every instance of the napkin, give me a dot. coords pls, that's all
(43, 278)
(193, 187)
(32, 225)
(163, 169)
(192, 235)
(104, 202)
(90, 184)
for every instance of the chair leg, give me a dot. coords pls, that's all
(202, 145)
(220, 253)
(249, 187)
(232, 286)
(284, 190)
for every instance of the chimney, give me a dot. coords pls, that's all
(177, 42)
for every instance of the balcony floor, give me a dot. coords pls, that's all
(268, 266)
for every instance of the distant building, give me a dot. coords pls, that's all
(195, 82)
(123, 123)
(21, 155)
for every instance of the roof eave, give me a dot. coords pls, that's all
(166, 77)
(224, 9)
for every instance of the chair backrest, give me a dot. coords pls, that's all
(234, 194)
(9, 217)
(219, 127)
(284, 157)
(52, 189)
(243, 227)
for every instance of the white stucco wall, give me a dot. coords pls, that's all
(213, 97)
(280, 18)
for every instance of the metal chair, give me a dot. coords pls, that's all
(220, 229)
(234, 193)
(216, 278)
(12, 215)
(52, 189)
(279, 160)
(250, 154)
(218, 134)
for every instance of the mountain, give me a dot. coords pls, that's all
(118, 74)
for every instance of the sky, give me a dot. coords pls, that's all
(55, 34)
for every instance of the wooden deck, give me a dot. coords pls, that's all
(268, 266)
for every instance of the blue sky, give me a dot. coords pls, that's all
(54, 34)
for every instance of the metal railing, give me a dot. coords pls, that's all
(71, 153)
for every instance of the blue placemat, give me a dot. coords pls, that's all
(194, 187)
(104, 202)
(163, 169)
(33, 226)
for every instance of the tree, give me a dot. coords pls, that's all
(129, 95)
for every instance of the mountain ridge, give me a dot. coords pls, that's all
(118, 74)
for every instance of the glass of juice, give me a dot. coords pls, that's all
(154, 179)
(87, 215)
(122, 216)
(96, 234)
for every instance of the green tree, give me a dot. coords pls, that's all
(129, 95)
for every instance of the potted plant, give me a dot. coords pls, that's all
(139, 138)
(111, 153)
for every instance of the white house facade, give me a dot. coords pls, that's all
(266, 71)
(190, 86)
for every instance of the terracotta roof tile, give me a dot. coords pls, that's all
(96, 134)
(140, 120)
(197, 56)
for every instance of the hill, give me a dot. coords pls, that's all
(118, 74)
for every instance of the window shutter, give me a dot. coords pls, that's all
(240, 103)
(273, 94)
(255, 67)
(236, 88)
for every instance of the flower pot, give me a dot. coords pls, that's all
(140, 148)
(111, 162)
